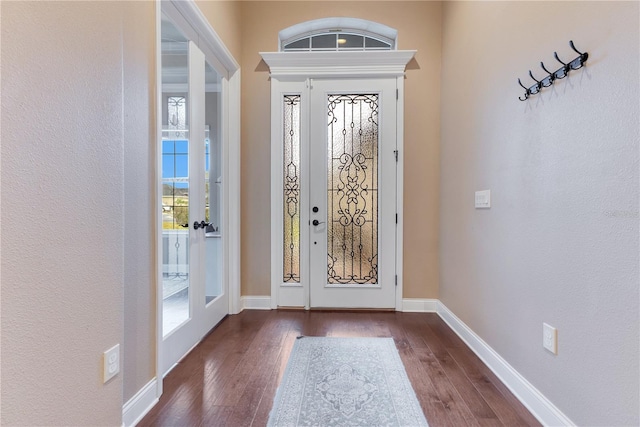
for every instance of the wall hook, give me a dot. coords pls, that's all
(537, 86)
(526, 93)
(551, 77)
(561, 73)
(573, 46)
(579, 61)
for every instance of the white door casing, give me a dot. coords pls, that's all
(307, 73)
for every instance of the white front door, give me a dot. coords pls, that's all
(195, 297)
(336, 178)
(352, 193)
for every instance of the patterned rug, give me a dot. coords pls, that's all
(345, 382)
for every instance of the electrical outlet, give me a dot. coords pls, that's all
(111, 362)
(550, 338)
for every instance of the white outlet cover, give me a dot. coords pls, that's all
(111, 362)
(550, 338)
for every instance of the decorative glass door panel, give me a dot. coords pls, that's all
(352, 193)
(291, 189)
(352, 189)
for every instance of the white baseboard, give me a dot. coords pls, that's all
(419, 305)
(541, 408)
(139, 405)
(255, 303)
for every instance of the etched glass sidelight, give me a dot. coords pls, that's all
(291, 189)
(352, 189)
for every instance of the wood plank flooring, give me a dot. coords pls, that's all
(231, 377)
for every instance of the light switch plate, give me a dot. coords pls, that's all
(483, 199)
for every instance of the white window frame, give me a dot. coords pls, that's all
(332, 25)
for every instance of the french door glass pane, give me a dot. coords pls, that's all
(175, 178)
(212, 184)
(291, 189)
(352, 189)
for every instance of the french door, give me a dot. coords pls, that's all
(337, 183)
(195, 297)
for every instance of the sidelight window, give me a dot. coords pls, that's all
(291, 189)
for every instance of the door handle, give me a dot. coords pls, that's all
(316, 222)
(201, 224)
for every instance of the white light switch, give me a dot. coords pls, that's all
(483, 199)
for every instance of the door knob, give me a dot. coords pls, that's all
(316, 222)
(201, 224)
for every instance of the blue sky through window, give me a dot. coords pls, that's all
(175, 159)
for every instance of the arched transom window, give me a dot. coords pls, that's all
(337, 34)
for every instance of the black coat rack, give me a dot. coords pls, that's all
(560, 73)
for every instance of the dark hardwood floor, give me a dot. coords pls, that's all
(231, 377)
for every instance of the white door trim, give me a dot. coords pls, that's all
(400, 191)
(205, 36)
(231, 195)
(158, 199)
(291, 72)
(188, 16)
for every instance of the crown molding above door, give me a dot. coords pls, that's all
(384, 63)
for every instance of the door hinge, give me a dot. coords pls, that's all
(396, 153)
(396, 280)
(397, 94)
(396, 218)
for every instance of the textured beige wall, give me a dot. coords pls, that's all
(139, 351)
(62, 210)
(418, 25)
(560, 242)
